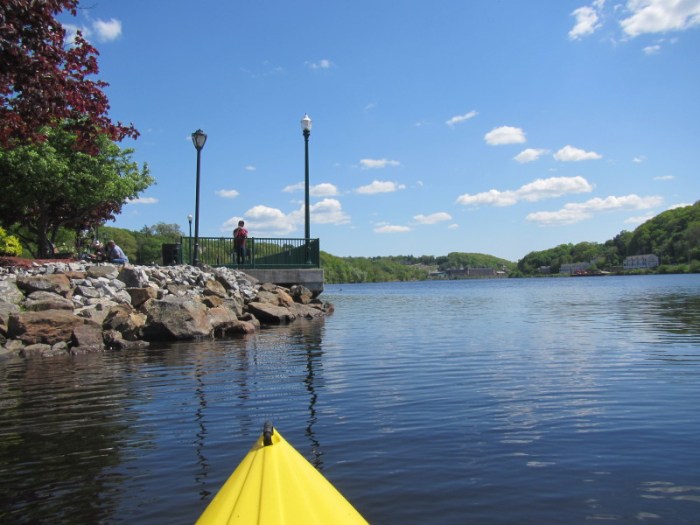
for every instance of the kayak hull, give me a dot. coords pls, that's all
(274, 484)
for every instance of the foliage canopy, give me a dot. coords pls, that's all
(44, 82)
(49, 186)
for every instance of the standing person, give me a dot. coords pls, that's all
(115, 254)
(240, 234)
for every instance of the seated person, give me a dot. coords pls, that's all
(99, 254)
(115, 254)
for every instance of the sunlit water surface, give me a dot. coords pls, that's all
(556, 401)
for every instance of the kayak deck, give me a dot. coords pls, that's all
(275, 484)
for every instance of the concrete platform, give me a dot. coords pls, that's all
(312, 278)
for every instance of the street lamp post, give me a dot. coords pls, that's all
(199, 138)
(306, 130)
(189, 249)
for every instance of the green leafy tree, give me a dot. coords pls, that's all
(692, 238)
(666, 235)
(51, 185)
(44, 82)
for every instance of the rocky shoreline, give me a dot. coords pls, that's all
(72, 308)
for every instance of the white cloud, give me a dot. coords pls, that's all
(107, 30)
(553, 187)
(572, 154)
(530, 155)
(505, 135)
(660, 16)
(249, 167)
(299, 186)
(378, 163)
(453, 226)
(679, 205)
(533, 191)
(390, 228)
(325, 189)
(263, 220)
(639, 159)
(433, 218)
(461, 118)
(639, 219)
(227, 194)
(378, 186)
(576, 212)
(587, 22)
(664, 177)
(143, 200)
(328, 211)
(491, 198)
(72, 31)
(652, 50)
(321, 64)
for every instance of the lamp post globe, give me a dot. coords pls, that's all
(199, 138)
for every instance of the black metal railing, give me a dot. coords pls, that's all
(260, 253)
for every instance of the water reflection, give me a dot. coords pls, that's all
(310, 338)
(201, 434)
(63, 421)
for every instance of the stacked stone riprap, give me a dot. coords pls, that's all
(70, 308)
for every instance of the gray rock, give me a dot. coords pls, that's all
(268, 313)
(9, 292)
(42, 301)
(58, 284)
(178, 318)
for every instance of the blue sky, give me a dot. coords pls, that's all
(457, 125)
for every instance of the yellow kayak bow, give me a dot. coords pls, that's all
(274, 484)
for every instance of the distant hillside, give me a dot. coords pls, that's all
(403, 267)
(674, 236)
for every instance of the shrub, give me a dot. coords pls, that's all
(9, 244)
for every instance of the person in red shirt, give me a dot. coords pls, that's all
(240, 234)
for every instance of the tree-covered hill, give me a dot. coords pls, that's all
(403, 267)
(674, 236)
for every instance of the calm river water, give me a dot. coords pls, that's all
(557, 401)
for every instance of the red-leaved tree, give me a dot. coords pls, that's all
(44, 81)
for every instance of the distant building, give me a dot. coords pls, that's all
(640, 262)
(465, 273)
(572, 268)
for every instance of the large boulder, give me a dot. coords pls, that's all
(215, 288)
(56, 283)
(48, 327)
(104, 270)
(7, 309)
(133, 276)
(176, 318)
(301, 294)
(141, 295)
(9, 292)
(124, 320)
(42, 301)
(271, 314)
(87, 337)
